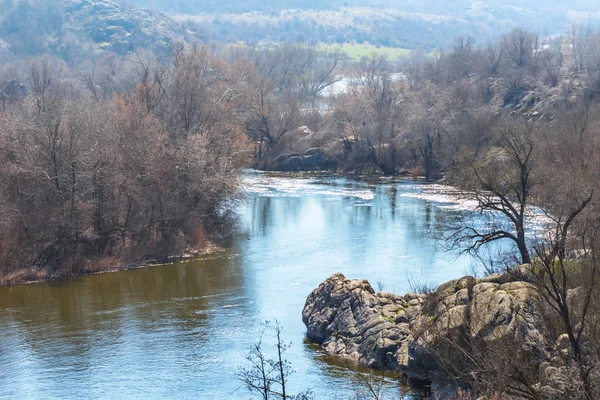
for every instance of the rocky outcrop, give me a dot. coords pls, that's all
(314, 159)
(352, 321)
(404, 333)
(121, 29)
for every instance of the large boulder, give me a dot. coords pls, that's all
(311, 160)
(288, 162)
(352, 321)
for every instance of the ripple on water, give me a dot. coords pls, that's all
(277, 186)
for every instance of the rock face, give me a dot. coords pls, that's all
(387, 331)
(120, 29)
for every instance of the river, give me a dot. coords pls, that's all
(180, 331)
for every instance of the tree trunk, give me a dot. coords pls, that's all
(522, 245)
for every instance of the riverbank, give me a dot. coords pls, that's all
(99, 266)
(367, 177)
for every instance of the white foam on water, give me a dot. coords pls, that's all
(447, 197)
(278, 186)
(442, 196)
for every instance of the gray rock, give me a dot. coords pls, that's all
(311, 160)
(288, 162)
(316, 152)
(353, 322)
(112, 27)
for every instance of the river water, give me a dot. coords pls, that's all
(180, 331)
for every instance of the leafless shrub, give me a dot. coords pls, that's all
(268, 377)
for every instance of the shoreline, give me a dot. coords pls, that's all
(345, 174)
(31, 275)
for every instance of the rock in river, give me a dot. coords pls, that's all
(387, 331)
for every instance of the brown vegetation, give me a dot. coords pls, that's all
(88, 175)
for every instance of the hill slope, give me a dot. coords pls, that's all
(407, 24)
(74, 28)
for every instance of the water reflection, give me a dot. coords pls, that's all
(181, 330)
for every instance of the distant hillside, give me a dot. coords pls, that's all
(76, 29)
(435, 6)
(394, 23)
(385, 27)
(73, 29)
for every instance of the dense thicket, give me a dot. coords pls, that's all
(91, 171)
(424, 111)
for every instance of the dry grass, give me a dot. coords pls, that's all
(102, 265)
(22, 276)
(356, 51)
(416, 171)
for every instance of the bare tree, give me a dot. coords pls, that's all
(290, 80)
(501, 181)
(461, 59)
(556, 285)
(583, 41)
(413, 65)
(369, 385)
(518, 46)
(328, 69)
(269, 376)
(425, 128)
(551, 60)
(494, 52)
(100, 77)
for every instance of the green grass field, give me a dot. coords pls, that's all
(357, 51)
